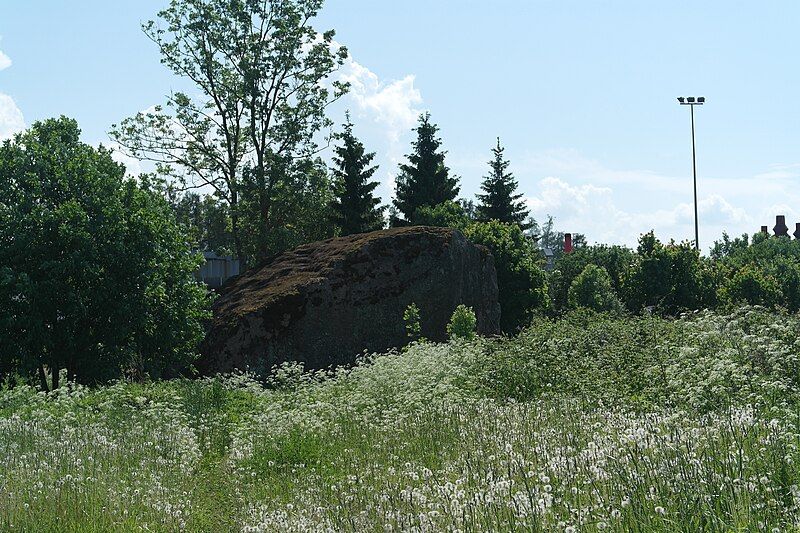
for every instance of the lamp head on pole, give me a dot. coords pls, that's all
(691, 100)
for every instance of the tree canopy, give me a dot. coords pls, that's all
(96, 276)
(592, 289)
(500, 200)
(424, 180)
(354, 209)
(261, 71)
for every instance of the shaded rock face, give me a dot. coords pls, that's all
(326, 302)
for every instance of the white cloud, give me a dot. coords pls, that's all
(11, 119)
(5, 61)
(780, 172)
(385, 112)
(596, 211)
(572, 164)
(617, 205)
(393, 104)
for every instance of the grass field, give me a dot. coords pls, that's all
(585, 423)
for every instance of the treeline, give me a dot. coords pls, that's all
(240, 160)
(250, 145)
(341, 200)
(672, 278)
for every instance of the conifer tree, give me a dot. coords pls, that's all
(501, 201)
(354, 209)
(424, 180)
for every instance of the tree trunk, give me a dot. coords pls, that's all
(263, 246)
(55, 370)
(43, 379)
(237, 238)
(263, 208)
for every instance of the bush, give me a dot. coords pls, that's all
(672, 277)
(446, 215)
(462, 323)
(751, 285)
(520, 279)
(99, 274)
(412, 320)
(786, 270)
(592, 290)
(616, 260)
(764, 272)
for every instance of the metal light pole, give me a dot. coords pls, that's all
(691, 101)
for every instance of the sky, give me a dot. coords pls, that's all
(581, 93)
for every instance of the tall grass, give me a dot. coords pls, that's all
(587, 423)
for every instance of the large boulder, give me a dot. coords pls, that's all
(326, 302)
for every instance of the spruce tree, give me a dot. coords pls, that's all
(501, 201)
(424, 180)
(354, 209)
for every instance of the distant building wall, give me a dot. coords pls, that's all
(217, 269)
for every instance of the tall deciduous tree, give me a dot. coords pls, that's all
(207, 220)
(501, 201)
(354, 208)
(424, 180)
(300, 210)
(260, 68)
(96, 276)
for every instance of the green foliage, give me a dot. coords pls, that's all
(786, 270)
(97, 276)
(520, 279)
(355, 209)
(411, 317)
(750, 285)
(663, 425)
(762, 250)
(592, 289)
(582, 353)
(766, 271)
(424, 180)
(260, 71)
(671, 278)
(703, 362)
(300, 208)
(207, 220)
(727, 246)
(616, 260)
(501, 201)
(447, 214)
(462, 324)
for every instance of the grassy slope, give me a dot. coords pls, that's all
(591, 423)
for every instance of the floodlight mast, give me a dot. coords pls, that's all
(691, 101)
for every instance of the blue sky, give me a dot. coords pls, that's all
(582, 94)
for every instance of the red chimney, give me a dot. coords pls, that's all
(567, 243)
